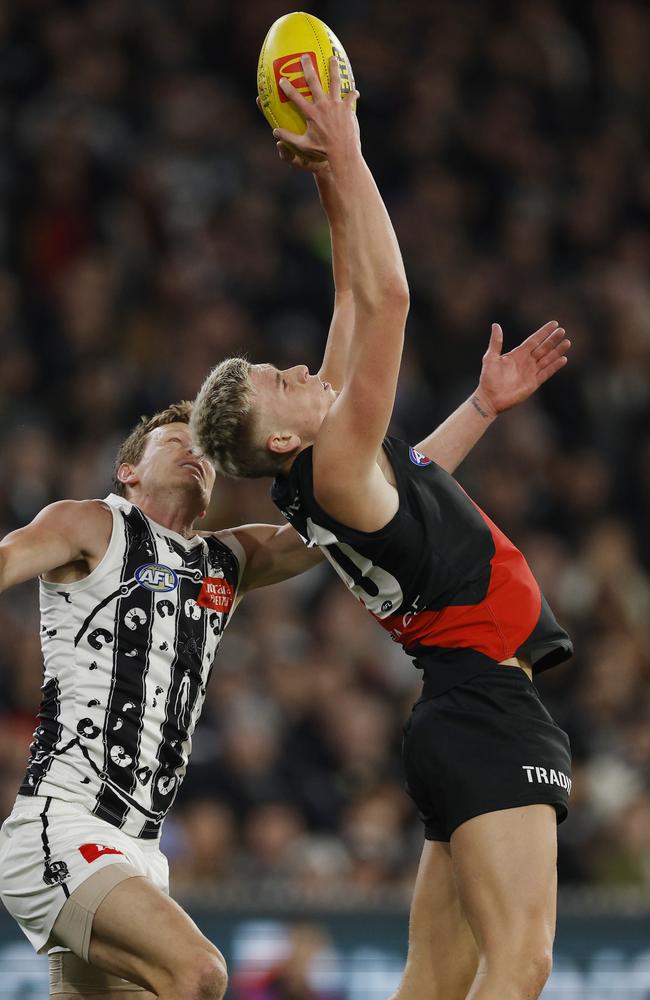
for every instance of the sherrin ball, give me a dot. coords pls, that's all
(287, 40)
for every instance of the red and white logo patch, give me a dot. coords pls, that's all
(418, 458)
(216, 594)
(93, 851)
(290, 67)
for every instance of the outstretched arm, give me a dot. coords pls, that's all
(346, 474)
(66, 532)
(273, 553)
(506, 380)
(336, 357)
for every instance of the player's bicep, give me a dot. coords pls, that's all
(349, 440)
(62, 533)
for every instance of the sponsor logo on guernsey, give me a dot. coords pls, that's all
(546, 776)
(418, 458)
(93, 851)
(291, 69)
(216, 594)
(157, 577)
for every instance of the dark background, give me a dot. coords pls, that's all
(147, 229)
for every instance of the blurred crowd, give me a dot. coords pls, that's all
(147, 229)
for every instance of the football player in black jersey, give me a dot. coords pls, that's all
(486, 765)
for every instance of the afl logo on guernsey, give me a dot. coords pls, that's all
(155, 576)
(418, 458)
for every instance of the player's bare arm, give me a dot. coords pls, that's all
(347, 479)
(506, 380)
(335, 362)
(64, 542)
(335, 359)
(273, 553)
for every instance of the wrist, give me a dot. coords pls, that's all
(344, 161)
(482, 405)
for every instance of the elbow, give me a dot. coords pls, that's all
(401, 296)
(392, 298)
(394, 295)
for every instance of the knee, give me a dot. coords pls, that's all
(205, 976)
(525, 968)
(538, 971)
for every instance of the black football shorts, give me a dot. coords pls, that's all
(484, 745)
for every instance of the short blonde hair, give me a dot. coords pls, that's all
(131, 449)
(223, 423)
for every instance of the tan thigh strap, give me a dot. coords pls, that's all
(74, 923)
(71, 976)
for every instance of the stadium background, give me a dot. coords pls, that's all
(147, 229)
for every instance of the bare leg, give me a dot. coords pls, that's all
(143, 936)
(442, 956)
(505, 866)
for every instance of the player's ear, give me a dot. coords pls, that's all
(283, 442)
(126, 475)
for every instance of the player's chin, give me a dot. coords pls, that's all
(195, 486)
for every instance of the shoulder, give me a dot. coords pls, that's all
(77, 514)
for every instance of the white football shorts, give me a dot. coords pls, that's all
(48, 848)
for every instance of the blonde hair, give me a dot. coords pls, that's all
(223, 423)
(131, 449)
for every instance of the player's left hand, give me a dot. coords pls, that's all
(293, 158)
(509, 379)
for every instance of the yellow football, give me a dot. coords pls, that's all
(287, 40)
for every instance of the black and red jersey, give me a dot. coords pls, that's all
(440, 577)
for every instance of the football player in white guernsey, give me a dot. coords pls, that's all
(133, 602)
(483, 911)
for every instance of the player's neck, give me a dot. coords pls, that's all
(175, 513)
(286, 467)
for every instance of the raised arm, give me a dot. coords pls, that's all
(65, 533)
(506, 380)
(337, 350)
(335, 359)
(349, 441)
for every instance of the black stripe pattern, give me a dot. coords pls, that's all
(46, 736)
(131, 646)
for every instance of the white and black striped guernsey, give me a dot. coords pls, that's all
(128, 653)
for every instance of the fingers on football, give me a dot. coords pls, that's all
(335, 79)
(285, 154)
(297, 161)
(304, 106)
(284, 137)
(312, 78)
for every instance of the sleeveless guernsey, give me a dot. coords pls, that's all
(440, 577)
(128, 653)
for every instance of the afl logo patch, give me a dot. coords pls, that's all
(155, 576)
(418, 458)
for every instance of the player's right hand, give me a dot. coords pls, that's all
(332, 125)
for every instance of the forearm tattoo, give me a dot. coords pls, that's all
(477, 406)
